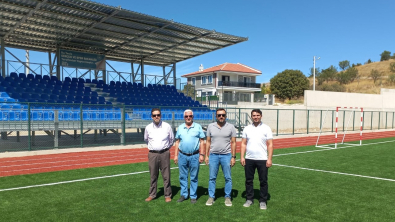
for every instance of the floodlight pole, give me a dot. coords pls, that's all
(314, 72)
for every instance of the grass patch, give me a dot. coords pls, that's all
(295, 194)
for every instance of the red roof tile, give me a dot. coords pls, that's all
(229, 67)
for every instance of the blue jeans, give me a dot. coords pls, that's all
(214, 161)
(188, 165)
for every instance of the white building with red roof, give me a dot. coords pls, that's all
(231, 82)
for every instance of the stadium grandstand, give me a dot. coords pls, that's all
(84, 36)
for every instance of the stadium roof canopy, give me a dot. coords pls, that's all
(120, 34)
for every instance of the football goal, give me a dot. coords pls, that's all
(344, 116)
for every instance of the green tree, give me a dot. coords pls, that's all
(375, 75)
(347, 76)
(289, 84)
(386, 55)
(393, 56)
(189, 90)
(327, 75)
(265, 90)
(345, 64)
(369, 61)
(391, 79)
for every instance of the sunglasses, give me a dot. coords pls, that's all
(156, 115)
(219, 115)
(190, 116)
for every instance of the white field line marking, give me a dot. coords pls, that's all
(333, 172)
(117, 175)
(318, 150)
(75, 181)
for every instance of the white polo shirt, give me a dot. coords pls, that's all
(257, 136)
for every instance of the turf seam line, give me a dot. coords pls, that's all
(334, 172)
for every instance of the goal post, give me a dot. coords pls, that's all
(334, 142)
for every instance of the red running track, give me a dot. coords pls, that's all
(78, 160)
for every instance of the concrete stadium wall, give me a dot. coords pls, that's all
(323, 99)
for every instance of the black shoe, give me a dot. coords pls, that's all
(193, 201)
(182, 198)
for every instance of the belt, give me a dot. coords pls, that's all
(159, 151)
(189, 154)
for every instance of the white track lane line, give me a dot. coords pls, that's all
(333, 172)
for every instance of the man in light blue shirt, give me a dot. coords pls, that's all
(189, 153)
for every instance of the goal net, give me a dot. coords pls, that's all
(348, 124)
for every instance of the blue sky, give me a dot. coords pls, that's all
(283, 34)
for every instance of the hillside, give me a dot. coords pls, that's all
(365, 84)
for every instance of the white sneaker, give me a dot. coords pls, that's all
(262, 206)
(210, 201)
(228, 202)
(248, 203)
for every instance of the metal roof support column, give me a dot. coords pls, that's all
(104, 75)
(142, 72)
(58, 62)
(2, 54)
(174, 75)
(164, 76)
(133, 76)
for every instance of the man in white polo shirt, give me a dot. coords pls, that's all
(257, 147)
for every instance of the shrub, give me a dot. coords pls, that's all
(334, 87)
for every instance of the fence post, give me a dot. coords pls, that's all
(29, 126)
(123, 135)
(56, 133)
(81, 126)
(278, 114)
(386, 119)
(321, 119)
(308, 120)
(353, 120)
(393, 119)
(239, 122)
(378, 127)
(344, 118)
(371, 120)
(332, 119)
(293, 123)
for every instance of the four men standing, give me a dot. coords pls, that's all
(220, 150)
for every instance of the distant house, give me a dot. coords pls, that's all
(232, 83)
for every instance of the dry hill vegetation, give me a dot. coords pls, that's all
(365, 83)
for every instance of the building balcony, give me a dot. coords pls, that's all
(239, 84)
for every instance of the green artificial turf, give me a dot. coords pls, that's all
(295, 194)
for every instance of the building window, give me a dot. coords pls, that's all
(204, 78)
(209, 93)
(210, 79)
(193, 81)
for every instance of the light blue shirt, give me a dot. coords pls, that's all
(189, 138)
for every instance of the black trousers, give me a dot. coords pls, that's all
(249, 168)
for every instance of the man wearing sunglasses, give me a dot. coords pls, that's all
(257, 144)
(159, 137)
(188, 154)
(220, 150)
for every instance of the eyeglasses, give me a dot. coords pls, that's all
(190, 116)
(155, 115)
(219, 115)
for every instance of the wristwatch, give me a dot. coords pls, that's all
(234, 157)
